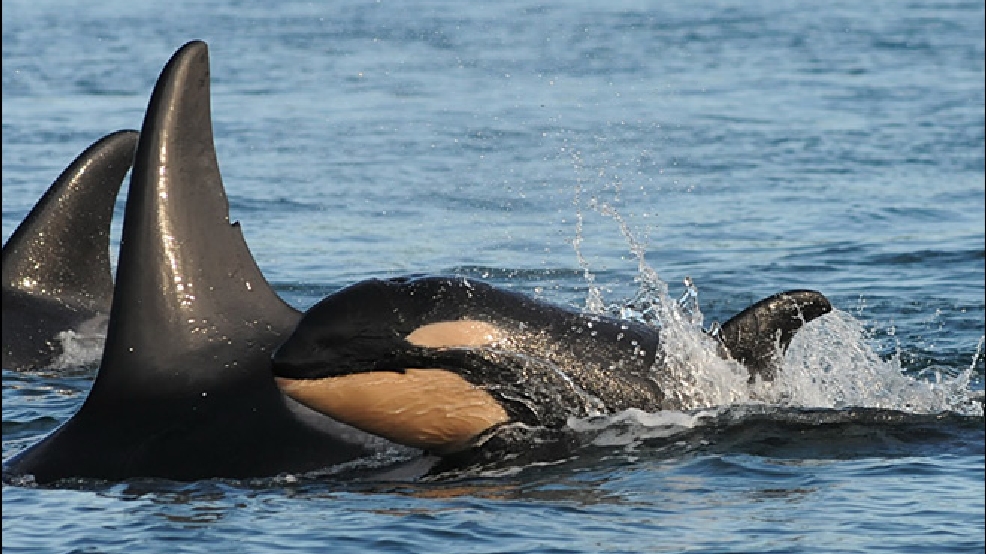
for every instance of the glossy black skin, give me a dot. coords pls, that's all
(609, 363)
(56, 265)
(185, 390)
(362, 328)
(752, 336)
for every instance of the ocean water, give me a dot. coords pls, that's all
(596, 155)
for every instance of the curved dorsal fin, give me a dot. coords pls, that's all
(61, 249)
(56, 264)
(185, 389)
(191, 308)
(752, 336)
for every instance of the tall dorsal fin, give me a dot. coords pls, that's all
(752, 337)
(185, 389)
(191, 308)
(61, 249)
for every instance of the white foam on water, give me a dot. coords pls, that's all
(630, 427)
(831, 363)
(82, 347)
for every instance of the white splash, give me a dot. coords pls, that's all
(830, 363)
(632, 427)
(83, 346)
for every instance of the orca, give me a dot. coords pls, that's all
(437, 362)
(56, 264)
(184, 390)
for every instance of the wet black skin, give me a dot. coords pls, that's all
(56, 264)
(608, 363)
(184, 390)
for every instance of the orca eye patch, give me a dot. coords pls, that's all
(464, 333)
(320, 352)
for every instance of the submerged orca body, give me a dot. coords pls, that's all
(519, 359)
(56, 265)
(184, 390)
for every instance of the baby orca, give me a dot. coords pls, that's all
(435, 362)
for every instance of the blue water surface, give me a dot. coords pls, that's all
(750, 146)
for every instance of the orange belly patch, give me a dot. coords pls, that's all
(431, 409)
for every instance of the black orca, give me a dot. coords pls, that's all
(56, 265)
(435, 362)
(185, 390)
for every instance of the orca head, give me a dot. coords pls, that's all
(185, 390)
(358, 359)
(437, 362)
(56, 265)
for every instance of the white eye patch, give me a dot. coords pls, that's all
(456, 334)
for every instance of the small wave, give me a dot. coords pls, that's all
(798, 433)
(13, 430)
(773, 431)
(633, 428)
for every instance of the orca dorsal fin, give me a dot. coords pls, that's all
(185, 388)
(61, 249)
(192, 313)
(752, 336)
